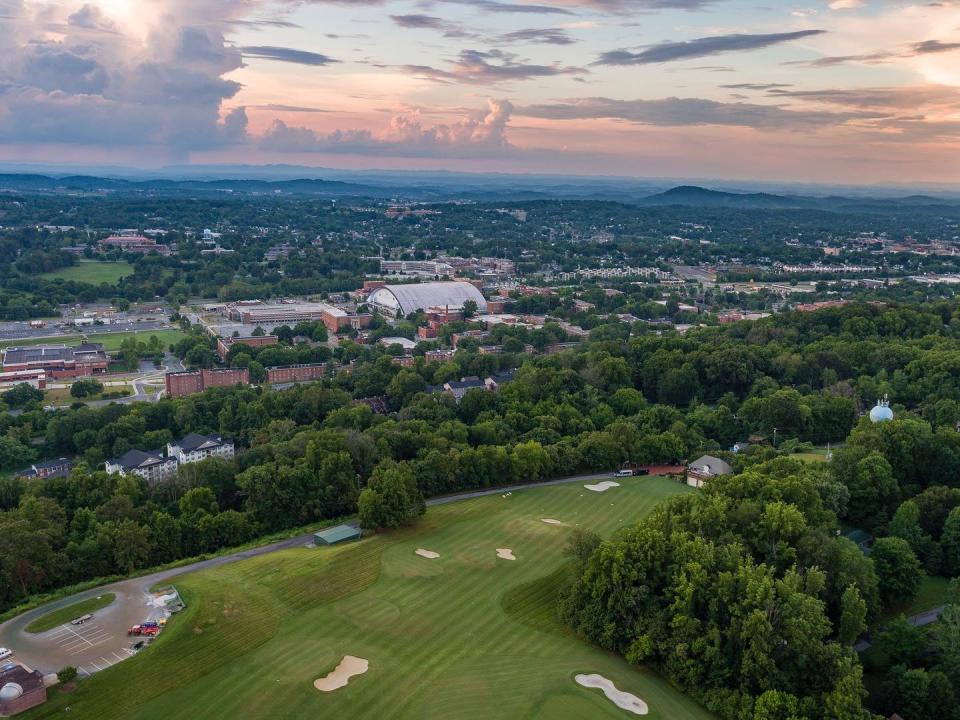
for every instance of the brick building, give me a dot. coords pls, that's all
(179, 384)
(57, 361)
(224, 344)
(333, 317)
(20, 689)
(296, 373)
(34, 378)
(132, 244)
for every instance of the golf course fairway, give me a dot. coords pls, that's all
(465, 635)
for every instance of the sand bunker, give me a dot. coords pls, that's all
(603, 486)
(429, 554)
(623, 700)
(505, 554)
(551, 521)
(341, 675)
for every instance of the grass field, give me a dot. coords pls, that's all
(111, 341)
(463, 636)
(62, 396)
(932, 594)
(93, 272)
(68, 613)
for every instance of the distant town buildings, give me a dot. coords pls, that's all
(133, 244)
(418, 268)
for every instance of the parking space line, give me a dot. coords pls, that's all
(95, 665)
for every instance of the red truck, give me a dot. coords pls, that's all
(149, 629)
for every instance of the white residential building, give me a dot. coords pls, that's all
(195, 447)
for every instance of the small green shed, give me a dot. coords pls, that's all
(337, 534)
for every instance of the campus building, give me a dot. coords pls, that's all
(296, 373)
(195, 447)
(420, 268)
(20, 689)
(179, 384)
(224, 344)
(151, 466)
(392, 300)
(33, 378)
(57, 361)
(133, 244)
(334, 318)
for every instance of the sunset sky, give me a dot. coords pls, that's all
(861, 91)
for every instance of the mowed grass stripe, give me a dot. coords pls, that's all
(442, 637)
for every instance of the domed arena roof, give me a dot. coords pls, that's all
(421, 296)
(10, 691)
(881, 412)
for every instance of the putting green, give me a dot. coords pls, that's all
(462, 636)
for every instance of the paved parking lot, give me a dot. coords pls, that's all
(85, 641)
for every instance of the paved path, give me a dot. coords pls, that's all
(918, 620)
(103, 641)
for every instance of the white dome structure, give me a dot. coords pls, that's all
(881, 412)
(10, 691)
(420, 296)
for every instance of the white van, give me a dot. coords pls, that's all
(5, 653)
(624, 473)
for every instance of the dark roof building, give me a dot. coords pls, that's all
(58, 360)
(20, 689)
(195, 447)
(48, 468)
(151, 466)
(459, 388)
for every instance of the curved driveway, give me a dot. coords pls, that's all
(102, 641)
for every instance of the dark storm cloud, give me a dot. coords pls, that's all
(701, 47)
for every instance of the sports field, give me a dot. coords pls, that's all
(466, 635)
(111, 341)
(93, 272)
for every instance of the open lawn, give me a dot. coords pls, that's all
(68, 613)
(93, 272)
(466, 635)
(112, 341)
(932, 594)
(62, 396)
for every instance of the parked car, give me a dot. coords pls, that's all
(623, 473)
(5, 653)
(82, 619)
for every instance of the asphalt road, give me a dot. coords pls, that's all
(103, 641)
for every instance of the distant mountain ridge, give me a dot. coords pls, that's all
(505, 190)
